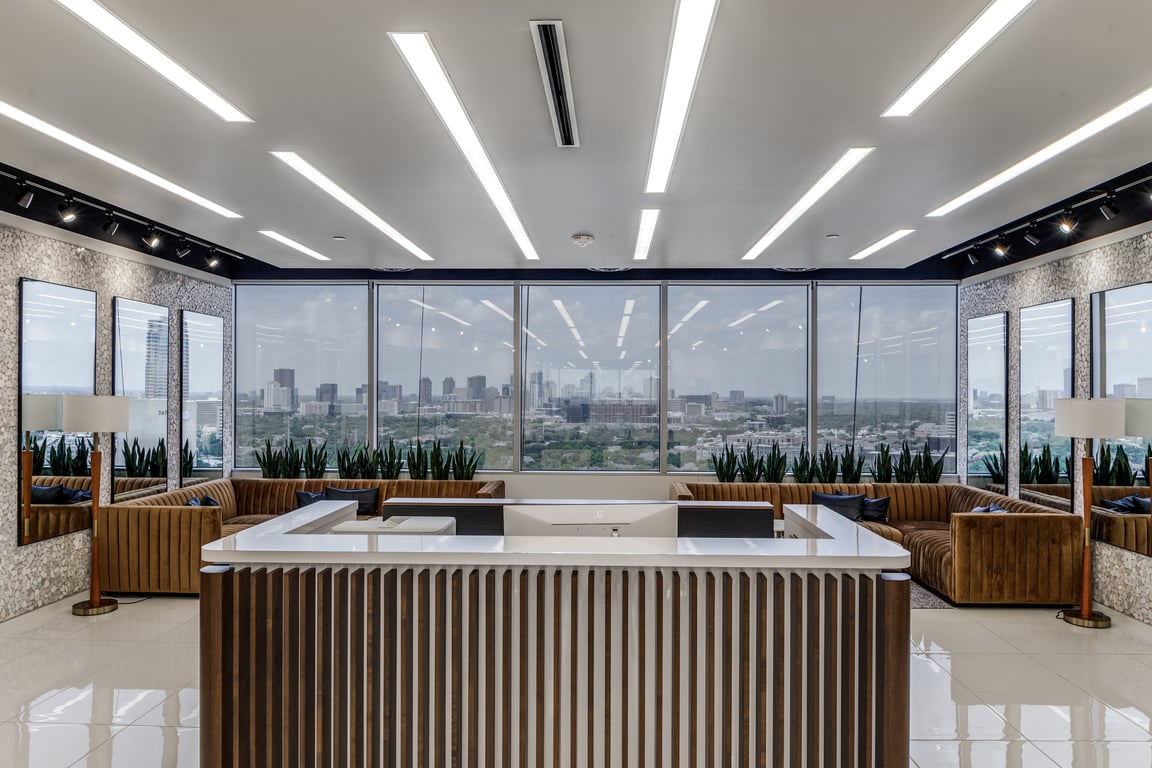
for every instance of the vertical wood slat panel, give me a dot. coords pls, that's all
(815, 655)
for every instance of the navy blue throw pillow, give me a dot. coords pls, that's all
(48, 494)
(304, 498)
(991, 508)
(875, 510)
(852, 507)
(1129, 505)
(192, 502)
(366, 498)
(76, 496)
(208, 501)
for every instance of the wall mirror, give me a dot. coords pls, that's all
(57, 357)
(202, 397)
(987, 401)
(1122, 358)
(140, 372)
(1045, 376)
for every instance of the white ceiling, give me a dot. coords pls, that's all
(786, 86)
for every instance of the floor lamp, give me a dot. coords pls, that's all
(38, 413)
(95, 414)
(1088, 418)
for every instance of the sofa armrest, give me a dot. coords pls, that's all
(493, 489)
(680, 492)
(1017, 557)
(155, 549)
(48, 520)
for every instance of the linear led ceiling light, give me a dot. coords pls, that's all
(839, 170)
(293, 244)
(568, 320)
(689, 38)
(421, 58)
(648, 218)
(991, 22)
(104, 22)
(1084, 132)
(629, 305)
(92, 150)
(880, 244)
(310, 172)
(751, 315)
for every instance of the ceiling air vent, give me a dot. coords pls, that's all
(548, 37)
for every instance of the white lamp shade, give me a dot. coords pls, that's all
(1138, 417)
(1094, 418)
(39, 413)
(95, 413)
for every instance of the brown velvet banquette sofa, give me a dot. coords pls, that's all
(1032, 554)
(152, 544)
(1125, 530)
(48, 520)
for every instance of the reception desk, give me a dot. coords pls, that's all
(339, 649)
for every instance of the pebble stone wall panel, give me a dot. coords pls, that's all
(1117, 265)
(43, 572)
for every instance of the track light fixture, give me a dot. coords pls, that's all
(67, 211)
(111, 224)
(24, 195)
(1108, 208)
(973, 257)
(151, 237)
(212, 259)
(1031, 236)
(182, 248)
(1068, 223)
(999, 248)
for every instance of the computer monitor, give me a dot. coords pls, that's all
(654, 520)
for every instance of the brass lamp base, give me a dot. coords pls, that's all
(1093, 620)
(94, 607)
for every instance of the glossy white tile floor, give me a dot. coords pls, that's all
(990, 687)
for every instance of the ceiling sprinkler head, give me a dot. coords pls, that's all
(582, 239)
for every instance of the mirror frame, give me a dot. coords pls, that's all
(1004, 363)
(119, 304)
(185, 358)
(21, 535)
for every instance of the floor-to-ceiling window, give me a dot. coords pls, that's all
(737, 370)
(444, 367)
(591, 389)
(301, 366)
(886, 367)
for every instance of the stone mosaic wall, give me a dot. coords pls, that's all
(40, 573)
(1127, 262)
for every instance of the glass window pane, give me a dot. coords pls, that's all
(444, 367)
(301, 366)
(140, 371)
(737, 370)
(202, 384)
(886, 367)
(591, 390)
(987, 381)
(1045, 373)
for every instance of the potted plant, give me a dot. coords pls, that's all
(995, 465)
(827, 466)
(927, 470)
(907, 468)
(315, 460)
(851, 466)
(725, 464)
(774, 466)
(748, 466)
(881, 469)
(803, 467)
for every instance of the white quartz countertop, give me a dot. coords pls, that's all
(825, 540)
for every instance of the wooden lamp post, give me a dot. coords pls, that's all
(1087, 419)
(95, 414)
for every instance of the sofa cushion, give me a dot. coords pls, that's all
(851, 506)
(304, 498)
(931, 560)
(908, 526)
(192, 502)
(76, 495)
(880, 529)
(248, 520)
(875, 510)
(209, 501)
(48, 494)
(367, 499)
(992, 508)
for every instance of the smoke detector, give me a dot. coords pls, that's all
(583, 240)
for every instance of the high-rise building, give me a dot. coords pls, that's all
(326, 393)
(736, 396)
(425, 390)
(286, 378)
(476, 387)
(780, 404)
(386, 391)
(449, 387)
(1124, 390)
(1144, 386)
(156, 359)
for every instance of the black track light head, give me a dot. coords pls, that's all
(212, 259)
(973, 257)
(182, 248)
(111, 224)
(1000, 248)
(151, 237)
(1068, 223)
(1108, 209)
(24, 195)
(67, 211)
(1031, 236)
